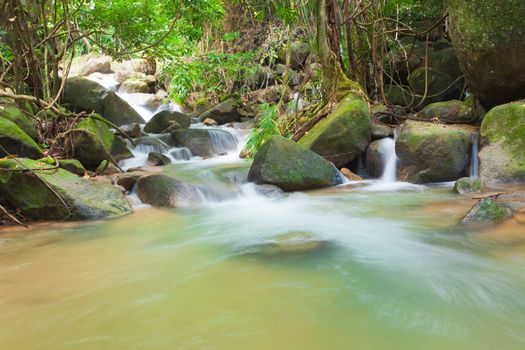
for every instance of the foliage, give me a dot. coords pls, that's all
(267, 126)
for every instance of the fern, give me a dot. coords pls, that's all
(267, 126)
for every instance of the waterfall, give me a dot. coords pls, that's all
(387, 150)
(474, 162)
(222, 141)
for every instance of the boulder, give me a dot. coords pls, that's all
(134, 86)
(96, 64)
(166, 119)
(469, 185)
(16, 142)
(158, 159)
(291, 167)
(437, 84)
(19, 118)
(343, 134)
(84, 198)
(133, 130)
(205, 142)
(153, 143)
(93, 143)
(453, 111)
(224, 113)
(82, 94)
(73, 166)
(502, 156)
(300, 51)
(374, 160)
(487, 36)
(137, 65)
(162, 190)
(401, 95)
(430, 152)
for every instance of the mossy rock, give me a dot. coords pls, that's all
(73, 166)
(94, 142)
(343, 134)
(202, 105)
(134, 86)
(487, 210)
(502, 157)
(401, 95)
(453, 111)
(469, 185)
(445, 61)
(158, 159)
(86, 199)
(16, 142)
(19, 118)
(163, 120)
(488, 39)
(299, 53)
(224, 113)
(438, 85)
(431, 152)
(291, 167)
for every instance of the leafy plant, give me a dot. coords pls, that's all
(267, 126)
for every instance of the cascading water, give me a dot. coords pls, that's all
(474, 162)
(387, 150)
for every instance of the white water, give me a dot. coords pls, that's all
(474, 161)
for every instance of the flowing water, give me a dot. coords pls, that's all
(474, 161)
(370, 265)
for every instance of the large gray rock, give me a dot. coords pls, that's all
(97, 64)
(430, 152)
(162, 190)
(164, 120)
(84, 198)
(224, 113)
(82, 94)
(286, 164)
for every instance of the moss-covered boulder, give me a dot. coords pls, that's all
(84, 198)
(343, 134)
(453, 111)
(469, 185)
(401, 95)
(224, 113)
(161, 190)
(19, 118)
(134, 86)
(430, 152)
(16, 142)
(291, 167)
(206, 142)
(502, 156)
(488, 39)
(93, 142)
(437, 84)
(163, 120)
(82, 94)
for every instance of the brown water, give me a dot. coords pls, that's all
(397, 273)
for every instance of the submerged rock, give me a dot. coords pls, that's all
(502, 156)
(487, 210)
(488, 39)
(224, 113)
(291, 167)
(85, 199)
(85, 95)
(270, 191)
(206, 142)
(163, 120)
(430, 152)
(162, 190)
(343, 134)
(16, 142)
(291, 243)
(469, 185)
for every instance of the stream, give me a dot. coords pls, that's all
(379, 264)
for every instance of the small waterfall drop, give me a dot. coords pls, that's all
(387, 149)
(474, 161)
(222, 141)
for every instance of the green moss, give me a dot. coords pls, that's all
(19, 118)
(447, 111)
(15, 141)
(343, 134)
